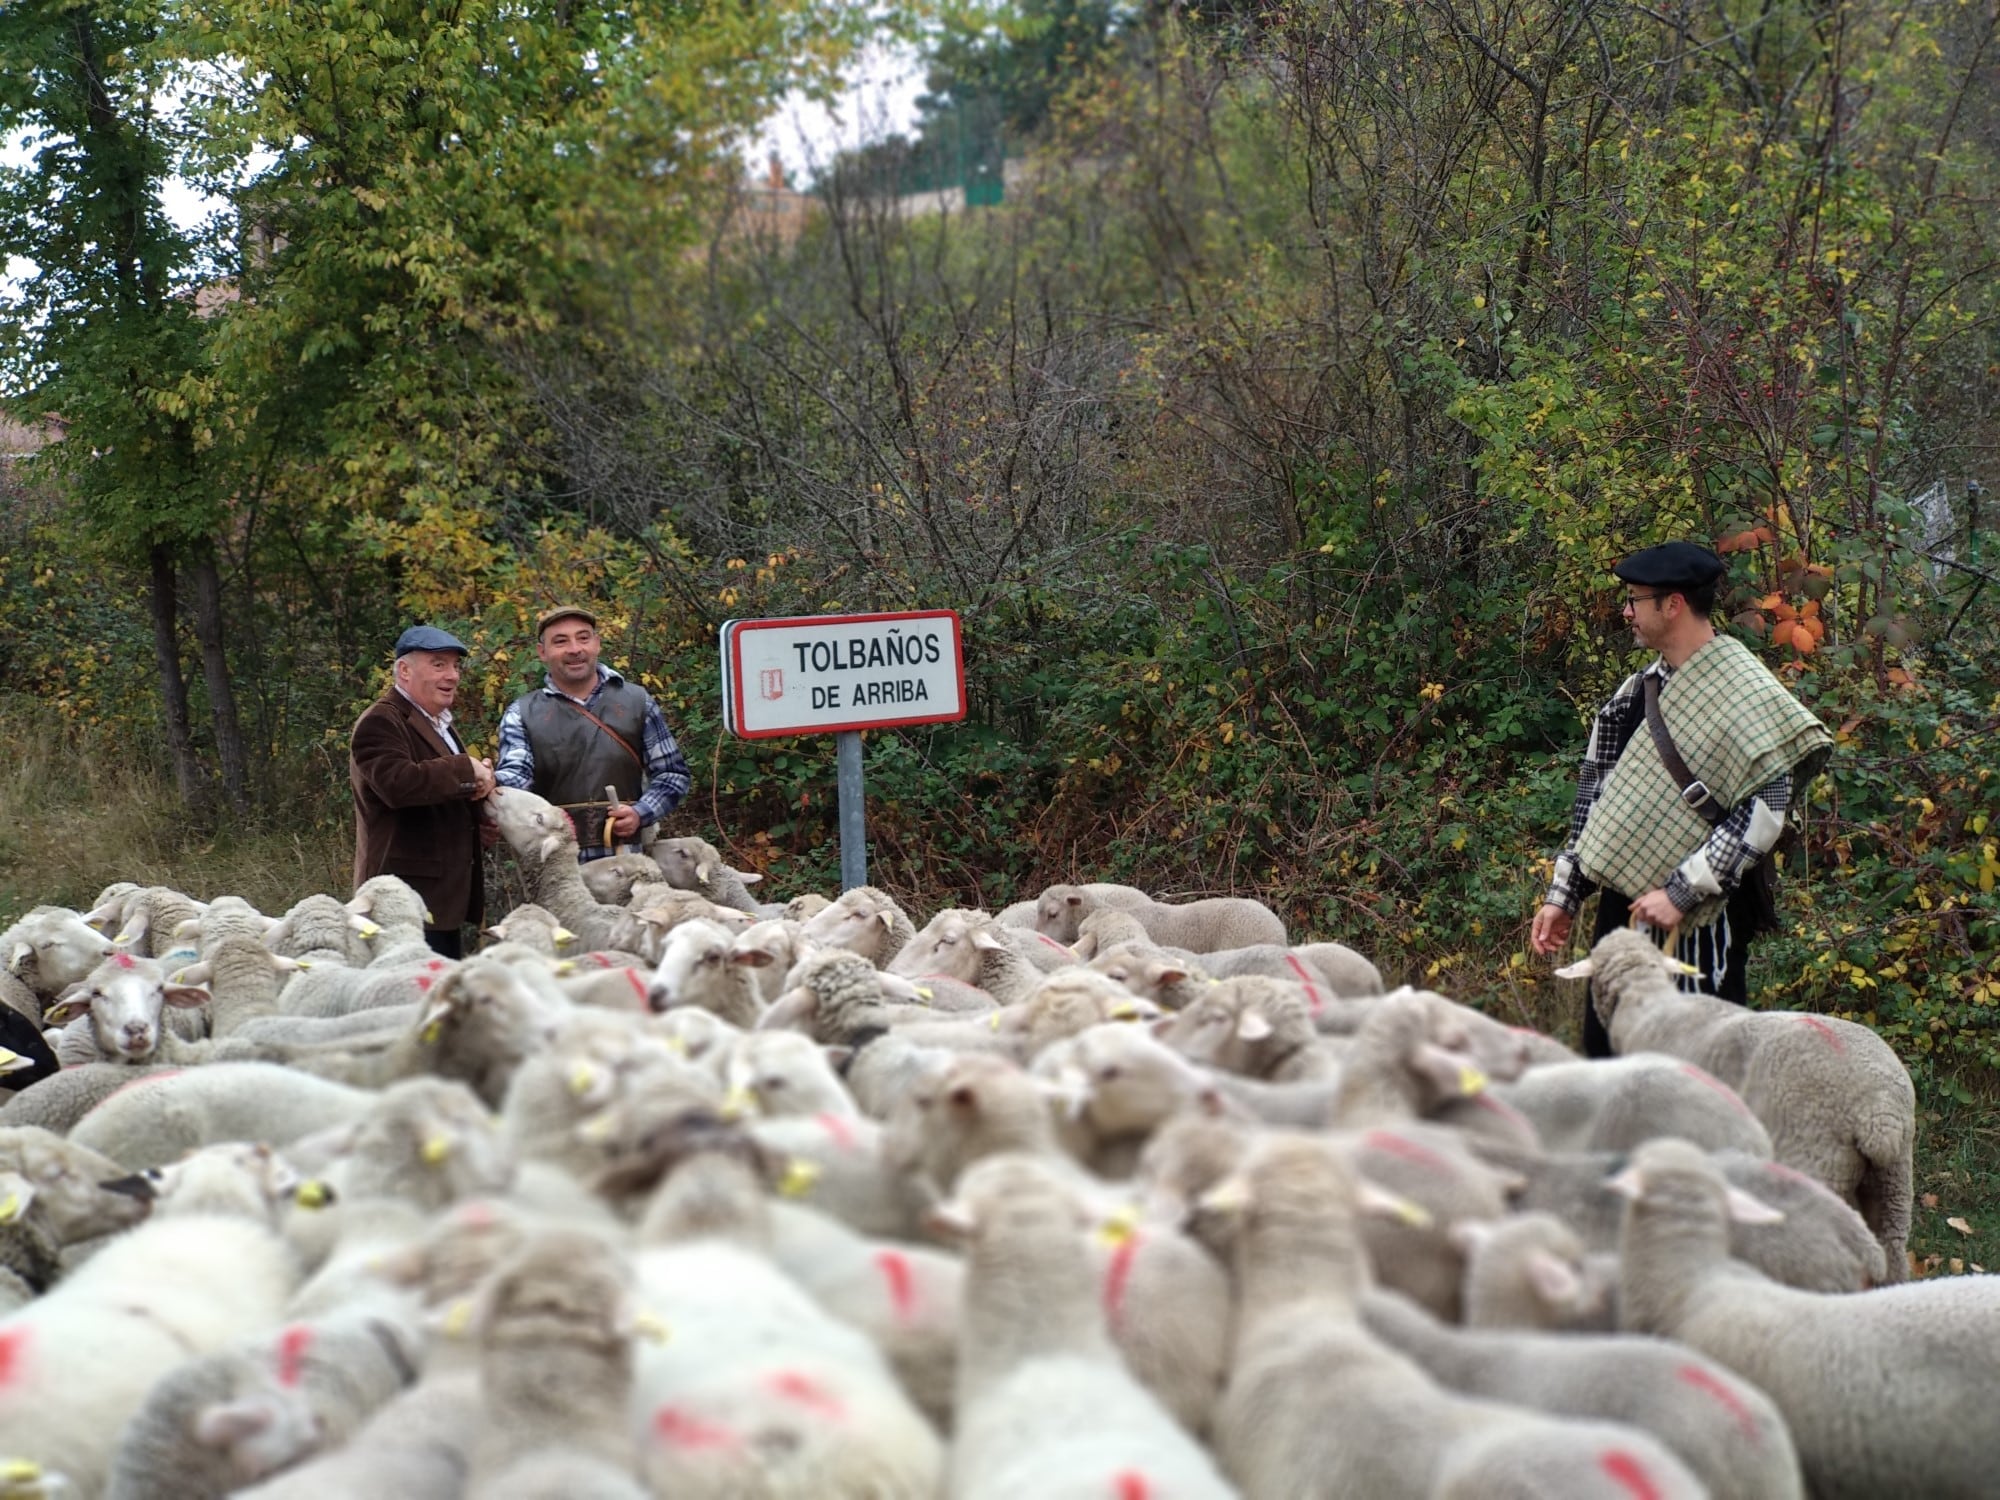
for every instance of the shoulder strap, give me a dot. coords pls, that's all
(1694, 792)
(623, 743)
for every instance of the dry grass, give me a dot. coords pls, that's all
(80, 808)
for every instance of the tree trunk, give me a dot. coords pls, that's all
(173, 686)
(215, 670)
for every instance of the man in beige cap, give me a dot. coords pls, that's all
(587, 728)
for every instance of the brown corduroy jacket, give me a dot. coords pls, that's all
(413, 813)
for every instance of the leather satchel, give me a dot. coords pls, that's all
(1763, 876)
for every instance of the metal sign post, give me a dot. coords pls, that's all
(841, 674)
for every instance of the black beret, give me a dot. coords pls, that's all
(1671, 564)
(428, 638)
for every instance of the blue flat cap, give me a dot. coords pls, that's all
(1671, 563)
(428, 638)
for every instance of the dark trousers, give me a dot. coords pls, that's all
(1722, 945)
(19, 1034)
(446, 942)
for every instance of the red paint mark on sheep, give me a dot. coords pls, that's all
(600, 960)
(895, 1269)
(1395, 1145)
(1118, 1276)
(1312, 990)
(1710, 1385)
(292, 1346)
(686, 1430)
(1504, 1110)
(478, 1216)
(638, 985)
(838, 1127)
(1060, 948)
(1720, 1087)
(123, 960)
(1626, 1470)
(1130, 1484)
(1826, 1033)
(13, 1349)
(434, 965)
(1789, 1174)
(424, 983)
(144, 1080)
(807, 1392)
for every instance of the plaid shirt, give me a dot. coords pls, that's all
(667, 779)
(1729, 852)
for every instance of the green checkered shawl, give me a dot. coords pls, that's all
(1736, 727)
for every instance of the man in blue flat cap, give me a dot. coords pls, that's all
(1684, 786)
(417, 790)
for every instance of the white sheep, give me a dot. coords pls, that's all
(50, 949)
(702, 966)
(206, 1270)
(414, 1448)
(610, 880)
(693, 864)
(115, 1013)
(1617, 1103)
(1256, 1027)
(1531, 1271)
(161, 1115)
(544, 841)
(1822, 1245)
(1886, 1391)
(1316, 1405)
(319, 928)
(535, 926)
(865, 921)
(30, 1253)
(1045, 1405)
(1836, 1099)
(1725, 1430)
(1205, 926)
(782, 1073)
(971, 948)
(149, 917)
(782, 944)
(232, 1417)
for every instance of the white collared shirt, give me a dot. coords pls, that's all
(440, 722)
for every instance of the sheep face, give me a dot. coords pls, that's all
(51, 949)
(1059, 911)
(512, 1018)
(782, 1073)
(861, 921)
(1133, 1081)
(533, 827)
(266, 1425)
(688, 862)
(702, 966)
(67, 1179)
(430, 1141)
(953, 945)
(240, 1178)
(125, 998)
(1146, 975)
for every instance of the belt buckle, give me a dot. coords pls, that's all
(1695, 793)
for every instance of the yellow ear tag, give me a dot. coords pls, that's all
(432, 1032)
(1124, 1010)
(651, 1327)
(429, 920)
(10, 1208)
(1119, 1227)
(311, 1194)
(436, 1149)
(581, 1078)
(993, 1021)
(21, 1471)
(1414, 1214)
(303, 963)
(368, 929)
(799, 1177)
(1470, 1080)
(678, 1044)
(737, 1103)
(458, 1318)
(597, 1128)
(926, 993)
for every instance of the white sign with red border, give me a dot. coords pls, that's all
(819, 674)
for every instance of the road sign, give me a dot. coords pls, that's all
(822, 674)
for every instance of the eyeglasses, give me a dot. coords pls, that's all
(1632, 601)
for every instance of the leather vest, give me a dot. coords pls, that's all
(574, 759)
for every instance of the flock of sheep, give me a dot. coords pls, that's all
(666, 1193)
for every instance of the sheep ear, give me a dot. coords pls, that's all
(279, 961)
(1229, 1196)
(1377, 1202)
(1581, 969)
(703, 868)
(66, 1009)
(226, 1425)
(837, 1056)
(752, 958)
(963, 1096)
(986, 940)
(1630, 1183)
(749, 877)
(141, 1185)
(950, 1221)
(1450, 1073)
(1072, 900)
(1554, 1279)
(17, 1195)
(20, 953)
(1469, 1236)
(1168, 976)
(1254, 1026)
(202, 972)
(1747, 1208)
(186, 996)
(887, 919)
(362, 903)
(1162, 1026)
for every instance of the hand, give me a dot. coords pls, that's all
(1551, 929)
(482, 780)
(624, 823)
(1657, 910)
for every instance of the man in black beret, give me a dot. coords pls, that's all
(1684, 786)
(418, 790)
